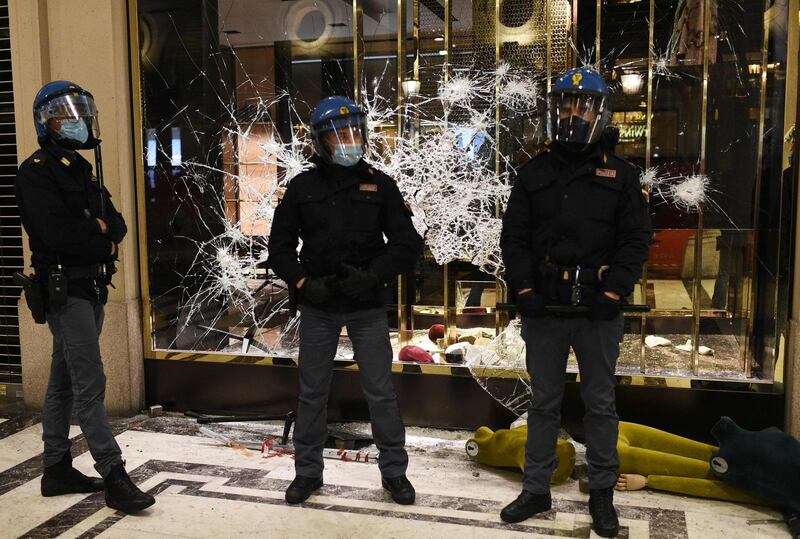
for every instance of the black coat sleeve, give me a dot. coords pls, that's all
(633, 235)
(284, 237)
(404, 245)
(515, 240)
(117, 229)
(46, 217)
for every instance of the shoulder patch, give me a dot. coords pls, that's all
(38, 158)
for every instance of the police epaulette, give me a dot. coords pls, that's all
(38, 158)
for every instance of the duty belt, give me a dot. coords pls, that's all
(576, 277)
(576, 274)
(79, 272)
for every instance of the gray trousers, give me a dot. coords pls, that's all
(77, 384)
(596, 344)
(319, 338)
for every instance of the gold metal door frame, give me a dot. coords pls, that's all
(148, 322)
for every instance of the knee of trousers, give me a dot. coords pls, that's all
(87, 400)
(597, 404)
(58, 392)
(313, 399)
(553, 413)
(546, 399)
(380, 393)
(314, 389)
(91, 382)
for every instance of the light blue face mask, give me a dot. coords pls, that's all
(74, 130)
(347, 155)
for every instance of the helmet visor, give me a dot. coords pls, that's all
(71, 107)
(345, 145)
(577, 118)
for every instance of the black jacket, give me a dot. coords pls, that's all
(576, 209)
(342, 215)
(59, 201)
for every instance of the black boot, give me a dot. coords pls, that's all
(401, 489)
(122, 494)
(604, 517)
(525, 506)
(62, 478)
(301, 488)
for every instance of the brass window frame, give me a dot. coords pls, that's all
(152, 353)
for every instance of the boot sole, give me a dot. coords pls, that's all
(526, 516)
(131, 509)
(606, 533)
(400, 501)
(301, 500)
(49, 492)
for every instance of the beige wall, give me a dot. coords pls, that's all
(793, 362)
(45, 47)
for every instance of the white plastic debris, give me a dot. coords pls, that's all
(702, 350)
(652, 341)
(457, 348)
(521, 421)
(705, 351)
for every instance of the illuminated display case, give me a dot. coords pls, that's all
(227, 85)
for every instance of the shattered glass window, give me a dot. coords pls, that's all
(455, 104)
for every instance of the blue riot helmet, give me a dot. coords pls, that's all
(66, 113)
(339, 129)
(579, 108)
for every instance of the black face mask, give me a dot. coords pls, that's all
(574, 131)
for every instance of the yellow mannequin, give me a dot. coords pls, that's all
(662, 461)
(506, 448)
(648, 458)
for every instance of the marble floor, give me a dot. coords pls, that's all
(206, 489)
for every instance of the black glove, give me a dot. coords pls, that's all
(531, 304)
(113, 258)
(115, 232)
(319, 289)
(603, 307)
(358, 283)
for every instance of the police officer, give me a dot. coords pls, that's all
(341, 209)
(576, 233)
(74, 233)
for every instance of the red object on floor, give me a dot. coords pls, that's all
(414, 354)
(667, 253)
(436, 332)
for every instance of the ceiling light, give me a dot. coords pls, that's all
(632, 83)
